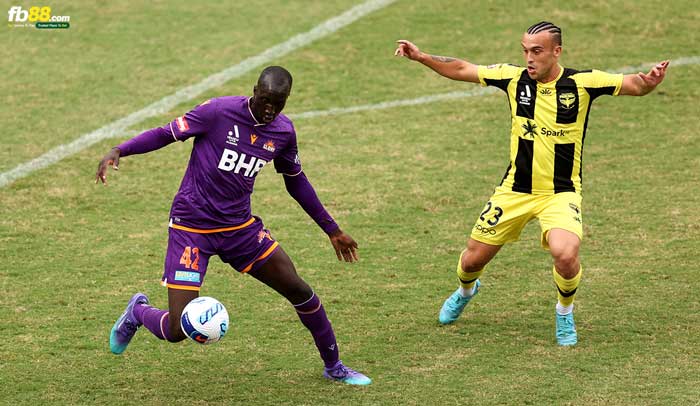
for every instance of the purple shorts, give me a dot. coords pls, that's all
(245, 247)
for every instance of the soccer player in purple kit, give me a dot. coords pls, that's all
(234, 138)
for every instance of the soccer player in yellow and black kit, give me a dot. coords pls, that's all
(549, 107)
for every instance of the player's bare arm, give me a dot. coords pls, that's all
(111, 158)
(453, 68)
(345, 246)
(643, 83)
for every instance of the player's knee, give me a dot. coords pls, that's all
(567, 263)
(299, 293)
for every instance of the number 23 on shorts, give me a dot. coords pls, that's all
(489, 211)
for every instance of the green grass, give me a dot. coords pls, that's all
(407, 183)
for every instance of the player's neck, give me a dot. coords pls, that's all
(553, 74)
(257, 122)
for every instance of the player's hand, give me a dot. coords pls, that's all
(112, 158)
(655, 76)
(345, 246)
(407, 49)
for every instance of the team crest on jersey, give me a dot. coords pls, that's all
(546, 92)
(182, 124)
(567, 100)
(253, 138)
(269, 146)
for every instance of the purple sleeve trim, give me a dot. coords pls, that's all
(147, 141)
(302, 191)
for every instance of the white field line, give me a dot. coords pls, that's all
(33, 165)
(692, 60)
(478, 91)
(165, 104)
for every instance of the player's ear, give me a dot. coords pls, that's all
(557, 51)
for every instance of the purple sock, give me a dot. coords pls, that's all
(155, 320)
(314, 318)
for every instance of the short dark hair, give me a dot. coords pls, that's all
(276, 77)
(546, 26)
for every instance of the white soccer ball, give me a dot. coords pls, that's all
(204, 320)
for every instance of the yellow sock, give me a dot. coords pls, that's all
(467, 279)
(566, 288)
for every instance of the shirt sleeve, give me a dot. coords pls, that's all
(195, 122)
(288, 162)
(599, 83)
(498, 75)
(301, 190)
(147, 141)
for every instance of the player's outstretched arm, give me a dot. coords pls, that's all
(448, 67)
(643, 83)
(299, 187)
(147, 141)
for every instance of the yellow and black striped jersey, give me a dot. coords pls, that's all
(548, 124)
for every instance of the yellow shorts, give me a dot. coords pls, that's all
(507, 212)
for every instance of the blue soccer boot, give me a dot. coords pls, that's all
(455, 304)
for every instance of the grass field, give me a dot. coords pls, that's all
(406, 182)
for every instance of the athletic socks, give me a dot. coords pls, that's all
(311, 314)
(566, 288)
(467, 292)
(564, 310)
(313, 317)
(155, 320)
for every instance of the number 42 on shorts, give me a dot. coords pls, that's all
(190, 258)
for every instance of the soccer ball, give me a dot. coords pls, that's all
(205, 320)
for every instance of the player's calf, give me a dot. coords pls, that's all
(163, 324)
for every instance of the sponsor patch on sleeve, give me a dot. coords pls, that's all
(182, 124)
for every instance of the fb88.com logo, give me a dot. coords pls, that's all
(34, 14)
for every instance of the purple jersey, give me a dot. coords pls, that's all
(230, 148)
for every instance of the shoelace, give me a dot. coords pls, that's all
(455, 302)
(567, 323)
(130, 327)
(342, 371)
